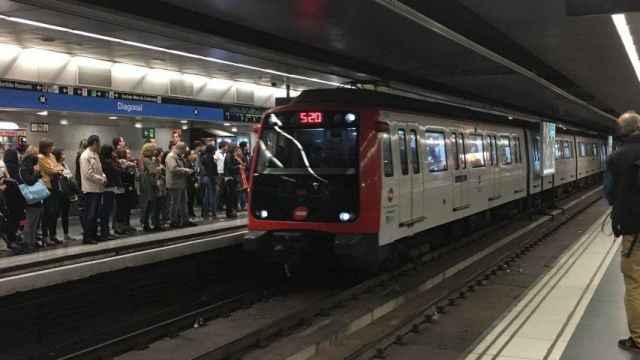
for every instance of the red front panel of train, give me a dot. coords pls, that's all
(318, 170)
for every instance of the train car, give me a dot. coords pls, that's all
(359, 171)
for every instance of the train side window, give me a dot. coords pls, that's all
(413, 148)
(494, 150)
(454, 142)
(516, 150)
(566, 150)
(436, 151)
(387, 155)
(505, 150)
(475, 150)
(583, 150)
(461, 152)
(402, 143)
(557, 150)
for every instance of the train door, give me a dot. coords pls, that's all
(460, 176)
(437, 177)
(417, 181)
(390, 190)
(404, 177)
(505, 158)
(494, 170)
(476, 191)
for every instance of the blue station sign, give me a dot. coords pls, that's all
(38, 100)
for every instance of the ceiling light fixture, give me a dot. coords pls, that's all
(234, 129)
(43, 113)
(8, 125)
(138, 125)
(620, 21)
(113, 118)
(161, 49)
(227, 124)
(184, 121)
(64, 122)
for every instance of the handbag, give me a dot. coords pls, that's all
(35, 193)
(69, 188)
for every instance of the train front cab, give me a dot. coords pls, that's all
(314, 184)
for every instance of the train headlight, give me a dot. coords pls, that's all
(345, 216)
(349, 118)
(263, 214)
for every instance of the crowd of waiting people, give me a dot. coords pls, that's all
(109, 182)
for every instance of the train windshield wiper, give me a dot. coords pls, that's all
(276, 125)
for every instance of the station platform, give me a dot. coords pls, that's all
(575, 311)
(75, 261)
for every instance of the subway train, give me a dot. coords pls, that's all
(358, 172)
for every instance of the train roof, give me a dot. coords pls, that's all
(380, 100)
(350, 97)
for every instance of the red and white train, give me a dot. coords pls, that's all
(358, 171)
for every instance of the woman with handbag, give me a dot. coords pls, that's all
(51, 173)
(69, 190)
(29, 179)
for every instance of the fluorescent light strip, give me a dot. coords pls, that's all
(620, 20)
(161, 49)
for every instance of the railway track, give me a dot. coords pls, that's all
(461, 262)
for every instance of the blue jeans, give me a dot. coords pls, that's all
(242, 199)
(209, 196)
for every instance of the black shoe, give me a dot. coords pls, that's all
(190, 224)
(90, 241)
(629, 345)
(107, 238)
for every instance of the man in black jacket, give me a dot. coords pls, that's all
(622, 186)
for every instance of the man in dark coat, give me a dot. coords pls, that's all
(622, 187)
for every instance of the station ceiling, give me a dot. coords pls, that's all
(528, 56)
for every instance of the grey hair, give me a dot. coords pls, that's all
(629, 123)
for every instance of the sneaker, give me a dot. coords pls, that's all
(629, 345)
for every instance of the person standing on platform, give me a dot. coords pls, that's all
(231, 181)
(113, 186)
(219, 157)
(29, 174)
(81, 148)
(51, 172)
(69, 190)
(149, 188)
(177, 176)
(15, 202)
(244, 157)
(208, 182)
(93, 181)
(622, 188)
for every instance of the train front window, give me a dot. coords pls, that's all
(316, 151)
